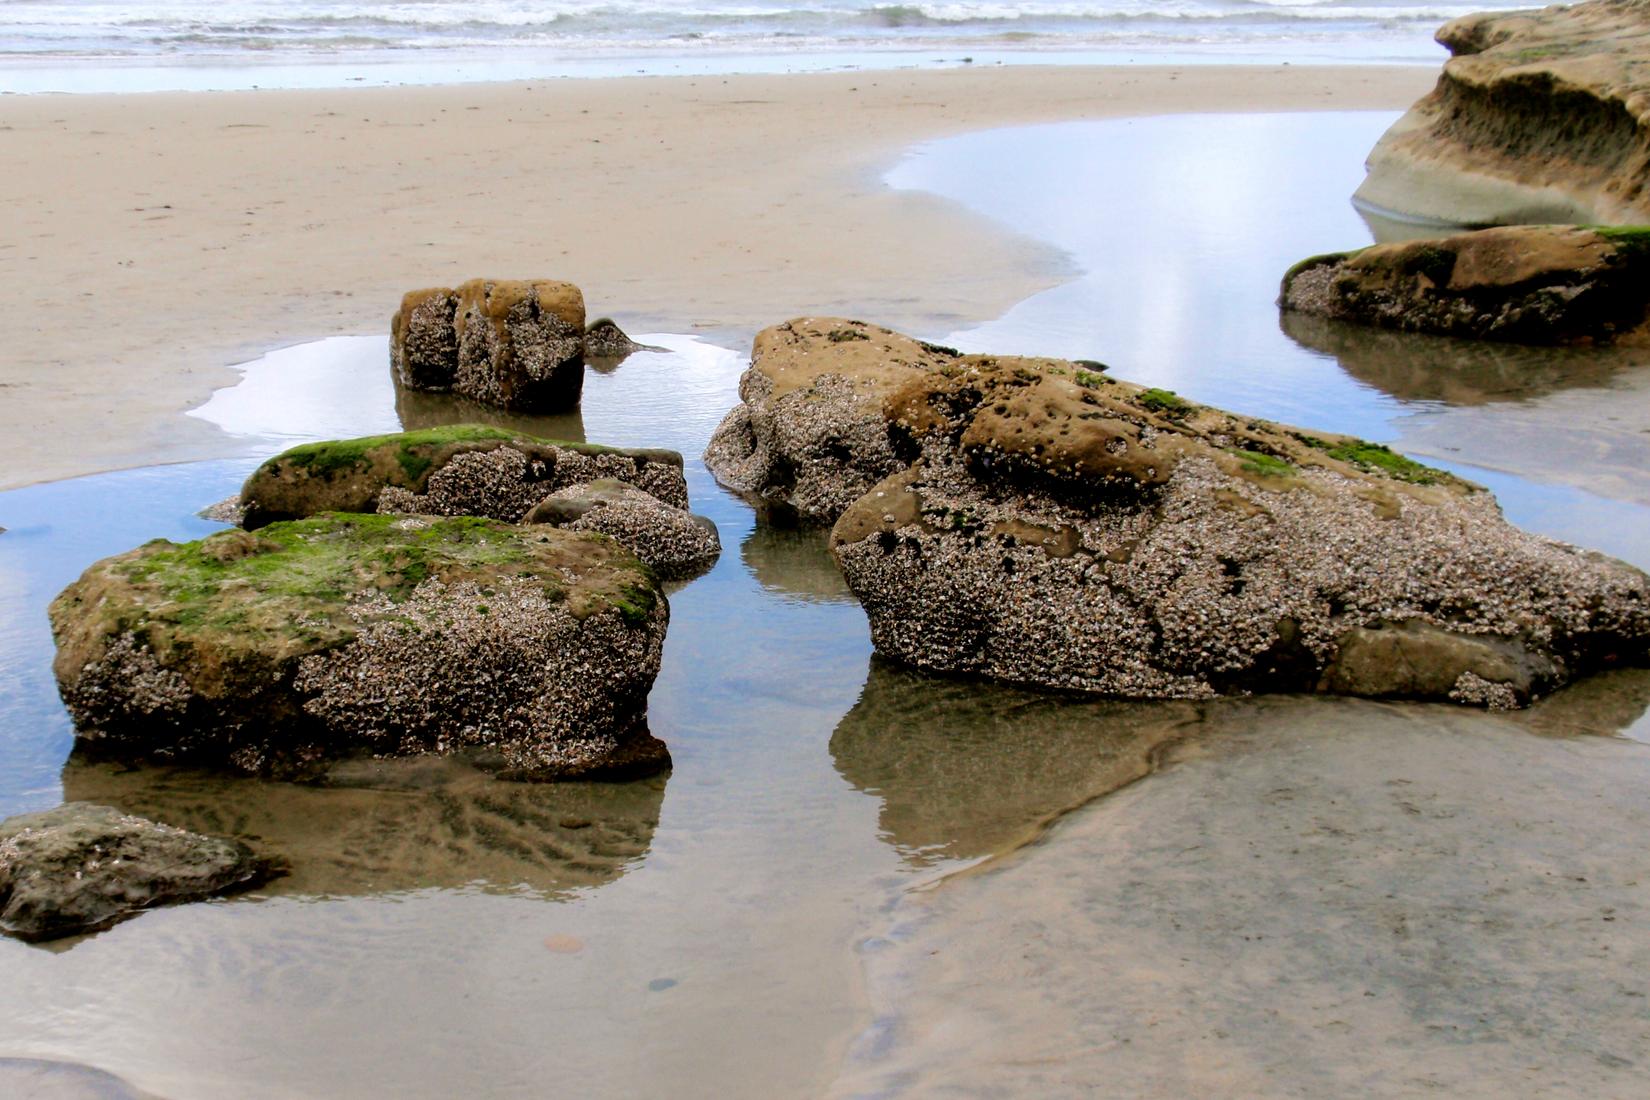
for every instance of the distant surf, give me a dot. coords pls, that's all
(296, 30)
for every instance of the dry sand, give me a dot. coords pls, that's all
(154, 239)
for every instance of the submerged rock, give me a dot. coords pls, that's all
(1051, 526)
(83, 867)
(1542, 284)
(517, 344)
(674, 542)
(1539, 116)
(466, 469)
(529, 650)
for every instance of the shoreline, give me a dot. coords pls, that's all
(166, 236)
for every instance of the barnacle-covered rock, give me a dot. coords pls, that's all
(528, 649)
(516, 344)
(1046, 524)
(1527, 284)
(465, 469)
(672, 541)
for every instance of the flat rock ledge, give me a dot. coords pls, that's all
(675, 543)
(1539, 116)
(1548, 284)
(466, 469)
(530, 650)
(1047, 525)
(514, 344)
(83, 867)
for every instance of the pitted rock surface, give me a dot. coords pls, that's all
(1538, 116)
(516, 344)
(1052, 526)
(531, 650)
(674, 542)
(1545, 284)
(465, 469)
(82, 867)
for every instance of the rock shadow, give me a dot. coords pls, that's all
(418, 409)
(968, 769)
(1418, 367)
(385, 826)
(795, 562)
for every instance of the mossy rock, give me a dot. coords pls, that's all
(340, 634)
(351, 475)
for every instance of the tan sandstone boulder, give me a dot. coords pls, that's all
(1539, 116)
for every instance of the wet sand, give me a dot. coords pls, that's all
(155, 238)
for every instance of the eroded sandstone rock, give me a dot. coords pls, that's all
(82, 867)
(1046, 524)
(516, 344)
(529, 650)
(671, 540)
(467, 469)
(1547, 284)
(1539, 116)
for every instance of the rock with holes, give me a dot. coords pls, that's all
(1538, 116)
(82, 867)
(1530, 284)
(529, 650)
(1046, 524)
(674, 542)
(515, 344)
(466, 469)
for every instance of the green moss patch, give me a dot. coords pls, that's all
(1374, 458)
(1257, 464)
(413, 449)
(1166, 402)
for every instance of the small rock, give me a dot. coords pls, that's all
(674, 542)
(82, 867)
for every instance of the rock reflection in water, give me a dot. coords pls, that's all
(436, 410)
(1417, 367)
(1609, 704)
(383, 826)
(967, 769)
(796, 562)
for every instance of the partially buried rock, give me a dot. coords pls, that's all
(673, 541)
(1539, 116)
(1049, 525)
(604, 339)
(467, 469)
(1543, 284)
(83, 867)
(516, 344)
(528, 650)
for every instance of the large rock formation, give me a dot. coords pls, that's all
(674, 542)
(1540, 116)
(528, 649)
(517, 344)
(1543, 284)
(83, 867)
(466, 469)
(1048, 525)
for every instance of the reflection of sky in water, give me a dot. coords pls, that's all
(1182, 226)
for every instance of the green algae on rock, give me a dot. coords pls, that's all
(1538, 116)
(83, 867)
(1538, 284)
(1016, 522)
(516, 344)
(529, 649)
(463, 469)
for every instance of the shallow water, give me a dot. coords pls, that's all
(712, 932)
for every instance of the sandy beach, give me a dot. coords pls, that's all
(155, 239)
